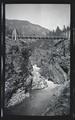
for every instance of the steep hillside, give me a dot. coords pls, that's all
(26, 28)
(17, 70)
(52, 58)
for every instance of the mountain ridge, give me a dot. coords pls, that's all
(26, 27)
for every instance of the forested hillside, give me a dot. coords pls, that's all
(25, 28)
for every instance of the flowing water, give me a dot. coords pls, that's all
(38, 101)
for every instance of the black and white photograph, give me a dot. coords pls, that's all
(37, 59)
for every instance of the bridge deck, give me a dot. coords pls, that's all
(43, 37)
(51, 37)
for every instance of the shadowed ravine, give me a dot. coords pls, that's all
(37, 69)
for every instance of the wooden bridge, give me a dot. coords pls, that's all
(51, 37)
(16, 36)
(39, 37)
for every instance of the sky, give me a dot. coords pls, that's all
(47, 15)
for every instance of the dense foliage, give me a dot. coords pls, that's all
(18, 67)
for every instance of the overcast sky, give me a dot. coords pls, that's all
(46, 15)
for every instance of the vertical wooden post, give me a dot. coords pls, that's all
(14, 35)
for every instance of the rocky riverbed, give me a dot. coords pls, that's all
(39, 82)
(42, 100)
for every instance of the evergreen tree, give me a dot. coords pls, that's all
(58, 31)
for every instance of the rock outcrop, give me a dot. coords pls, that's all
(57, 74)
